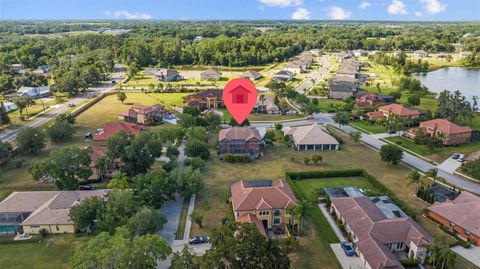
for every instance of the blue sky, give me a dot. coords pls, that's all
(242, 9)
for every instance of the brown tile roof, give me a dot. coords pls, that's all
(446, 126)
(399, 110)
(97, 152)
(111, 128)
(464, 211)
(250, 218)
(206, 93)
(310, 135)
(239, 133)
(246, 196)
(374, 230)
(375, 114)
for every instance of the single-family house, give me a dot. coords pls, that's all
(9, 106)
(342, 87)
(266, 105)
(111, 128)
(380, 239)
(240, 141)
(343, 55)
(19, 68)
(311, 137)
(34, 92)
(31, 211)
(210, 74)
(296, 67)
(143, 114)
(316, 52)
(167, 75)
(453, 134)
(263, 203)
(461, 215)
(360, 53)
(98, 152)
(208, 99)
(420, 54)
(396, 109)
(42, 69)
(283, 75)
(372, 99)
(251, 75)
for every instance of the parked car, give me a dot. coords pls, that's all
(391, 132)
(348, 248)
(461, 158)
(198, 240)
(87, 187)
(71, 104)
(455, 156)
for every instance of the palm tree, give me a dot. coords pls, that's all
(433, 174)
(302, 210)
(413, 177)
(434, 250)
(446, 257)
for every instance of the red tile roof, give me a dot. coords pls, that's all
(464, 211)
(446, 126)
(375, 114)
(250, 218)
(248, 197)
(399, 110)
(97, 152)
(111, 128)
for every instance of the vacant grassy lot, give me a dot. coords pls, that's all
(330, 105)
(38, 255)
(439, 154)
(369, 127)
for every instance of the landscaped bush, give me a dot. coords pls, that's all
(409, 262)
(236, 158)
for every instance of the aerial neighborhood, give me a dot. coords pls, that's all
(125, 148)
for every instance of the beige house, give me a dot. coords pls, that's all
(263, 203)
(29, 212)
(311, 137)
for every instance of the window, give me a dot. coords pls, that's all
(35, 226)
(276, 212)
(238, 214)
(276, 221)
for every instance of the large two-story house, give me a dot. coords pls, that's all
(393, 109)
(453, 134)
(241, 141)
(143, 114)
(208, 99)
(263, 203)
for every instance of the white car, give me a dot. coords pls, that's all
(461, 158)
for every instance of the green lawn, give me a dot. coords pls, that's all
(369, 127)
(38, 255)
(183, 219)
(439, 154)
(330, 105)
(307, 186)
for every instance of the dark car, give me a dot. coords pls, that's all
(455, 156)
(71, 104)
(391, 132)
(87, 187)
(198, 240)
(348, 248)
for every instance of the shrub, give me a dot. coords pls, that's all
(17, 162)
(43, 232)
(409, 262)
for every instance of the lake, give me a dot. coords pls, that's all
(467, 81)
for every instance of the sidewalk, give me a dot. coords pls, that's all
(331, 221)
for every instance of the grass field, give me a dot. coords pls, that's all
(330, 105)
(38, 255)
(439, 154)
(369, 127)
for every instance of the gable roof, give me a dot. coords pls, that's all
(251, 218)
(249, 196)
(239, 133)
(251, 74)
(210, 72)
(206, 93)
(446, 126)
(399, 110)
(310, 134)
(111, 128)
(463, 211)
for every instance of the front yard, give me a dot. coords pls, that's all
(369, 127)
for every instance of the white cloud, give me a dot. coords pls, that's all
(397, 7)
(301, 14)
(281, 3)
(123, 14)
(418, 13)
(338, 13)
(365, 5)
(433, 6)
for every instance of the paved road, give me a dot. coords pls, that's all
(41, 119)
(374, 142)
(315, 76)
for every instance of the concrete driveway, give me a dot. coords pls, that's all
(472, 254)
(449, 165)
(346, 262)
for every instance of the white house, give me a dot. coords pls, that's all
(35, 92)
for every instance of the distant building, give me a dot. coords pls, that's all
(372, 99)
(198, 39)
(454, 134)
(283, 76)
(42, 69)
(208, 99)
(167, 75)
(360, 53)
(311, 137)
(296, 67)
(112, 128)
(461, 215)
(240, 140)
(396, 109)
(31, 211)
(251, 75)
(316, 52)
(9, 106)
(143, 114)
(35, 92)
(210, 74)
(465, 54)
(266, 106)
(263, 203)
(342, 87)
(420, 54)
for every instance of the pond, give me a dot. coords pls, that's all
(467, 81)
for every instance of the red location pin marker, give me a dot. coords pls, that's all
(239, 96)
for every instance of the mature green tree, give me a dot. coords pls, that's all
(67, 167)
(391, 154)
(154, 188)
(234, 123)
(302, 209)
(213, 121)
(356, 136)
(120, 207)
(191, 110)
(446, 258)
(86, 213)
(121, 250)
(121, 96)
(183, 260)
(454, 107)
(23, 102)
(103, 165)
(151, 142)
(60, 131)
(197, 148)
(30, 140)
(172, 152)
(413, 100)
(196, 163)
(342, 118)
(199, 133)
(136, 159)
(132, 70)
(316, 158)
(197, 217)
(5, 150)
(4, 118)
(146, 221)
(119, 181)
(432, 173)
(117, 143)
(189, 181)
(242, 246)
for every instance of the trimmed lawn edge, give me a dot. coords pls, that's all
(183, 219)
